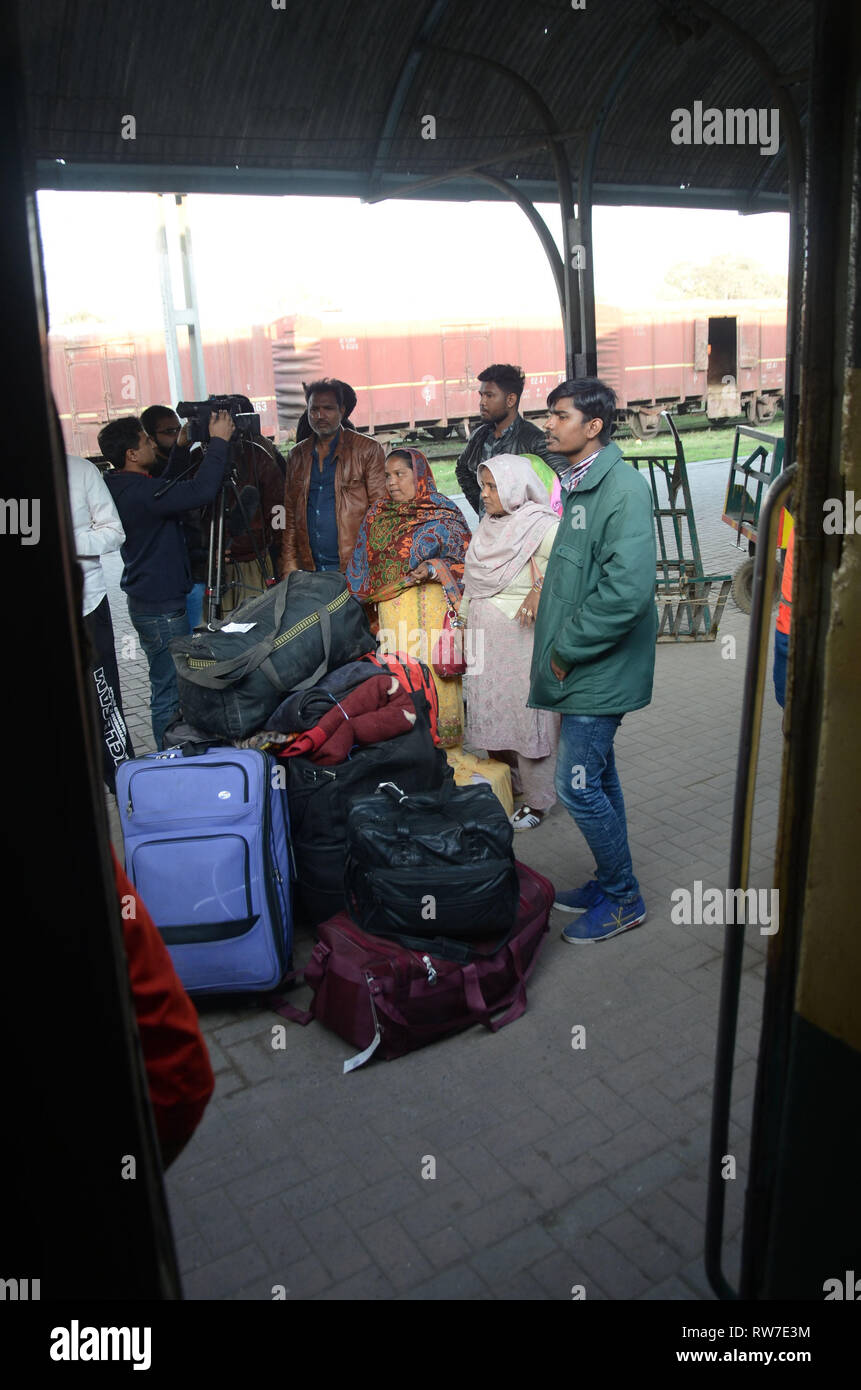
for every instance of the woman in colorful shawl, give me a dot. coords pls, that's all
(408, 561)
(504, 572)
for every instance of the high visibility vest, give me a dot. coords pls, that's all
(784, 612)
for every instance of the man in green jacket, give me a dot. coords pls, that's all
(593, 657)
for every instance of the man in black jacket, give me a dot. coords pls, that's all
(164, 429)
(502, 430)
(157, 577)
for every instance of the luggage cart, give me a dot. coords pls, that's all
(750, 477)
(690, 603)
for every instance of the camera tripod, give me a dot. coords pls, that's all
(230, 497)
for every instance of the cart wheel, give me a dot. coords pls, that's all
(742, 586)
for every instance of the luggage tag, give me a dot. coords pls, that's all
(361, 1057)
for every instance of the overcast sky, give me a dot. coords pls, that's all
(258, 258)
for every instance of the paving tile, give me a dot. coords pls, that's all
(498, 1218)
(608, 1268)
(672, 1290)
(559, 1272)
(440, 1206)
(277, 1234)
(220, 1278)
(538, 1178)
(481, 1169)
(397, 1253)
(369, 1204)
(645, 1175)
(445, 1247)
(694, 1276)
(334, 1243)
(370, 1285)
(579, 1137)
(523, 1288)
(219, 1223)
(456, 1285)
(498, 1263)
(192, 1251)
(652, 1256)
(584, 1214)
(325, 1190)
(531, 1125)
(672, 1222)
(303, 1278)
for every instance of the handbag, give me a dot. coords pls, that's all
(385, 998)
(447, 656)
(433, 870)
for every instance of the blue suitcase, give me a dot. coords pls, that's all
(207, 846)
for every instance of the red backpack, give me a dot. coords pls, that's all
(414, 675)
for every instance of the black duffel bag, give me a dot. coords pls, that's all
(433, 871)
(230, 682)
(319, 799)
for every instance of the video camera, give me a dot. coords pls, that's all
(199, 413)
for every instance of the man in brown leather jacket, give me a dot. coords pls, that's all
(332, 478)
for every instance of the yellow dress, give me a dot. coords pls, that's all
(411, 623)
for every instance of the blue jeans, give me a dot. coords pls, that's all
(781, 654)
(588, 785)
(194, 604)
(155, 631)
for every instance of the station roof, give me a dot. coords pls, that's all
(330, 96)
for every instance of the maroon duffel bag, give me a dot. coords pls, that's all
(383, 998)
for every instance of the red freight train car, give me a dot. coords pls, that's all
(100, 376)
(722, 358)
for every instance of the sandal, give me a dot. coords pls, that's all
(526, 819)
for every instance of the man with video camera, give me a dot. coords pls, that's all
(259, 492)
(157, 577)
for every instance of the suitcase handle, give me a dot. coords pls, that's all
(443, 793)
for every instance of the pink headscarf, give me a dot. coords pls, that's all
(502, 545)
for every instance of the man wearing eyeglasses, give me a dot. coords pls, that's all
(163, 427)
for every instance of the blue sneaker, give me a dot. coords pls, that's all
(607, 919)
(580, 899)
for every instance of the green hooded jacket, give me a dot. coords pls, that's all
(597, 617)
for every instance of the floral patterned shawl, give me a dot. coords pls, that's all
(395, 537)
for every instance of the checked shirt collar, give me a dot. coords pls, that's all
(576, 472)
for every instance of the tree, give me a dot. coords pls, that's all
(725, 277)
(82, 316)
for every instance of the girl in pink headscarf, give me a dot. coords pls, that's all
(503, 574)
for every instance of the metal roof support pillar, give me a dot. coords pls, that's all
(173, 317)
(191, 315)
(171, 348)
(583, 223)
(571, 315)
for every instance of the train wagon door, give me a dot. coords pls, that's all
(723, 396)
(124, 394)
(87, 395)
(465, 353)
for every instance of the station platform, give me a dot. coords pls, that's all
(555, 1166)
